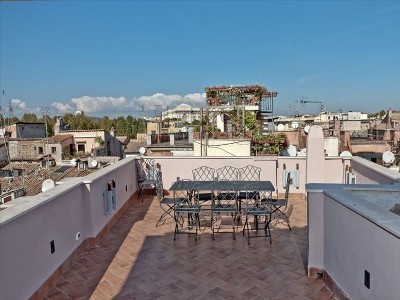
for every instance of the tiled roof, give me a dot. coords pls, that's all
(123, 139)
(60, 137)
(134, 146)
(33, 176)
(82, 130)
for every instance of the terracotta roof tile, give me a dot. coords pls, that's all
(60, 137)
(134, 146)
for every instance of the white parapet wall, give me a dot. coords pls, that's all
(221, 147)
(29, 225)
(354, 239)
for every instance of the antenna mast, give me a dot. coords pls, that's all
(45, 112)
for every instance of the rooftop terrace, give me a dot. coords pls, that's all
(137, 260)
(65, 243)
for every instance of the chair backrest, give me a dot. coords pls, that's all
(224, 195)
(153, 173)
(228, 173)
(250, 173)
(181, 194)
(144, 167)
(203, 173)
(252, 198)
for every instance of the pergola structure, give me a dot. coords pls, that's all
(241, 98)
(235, 95)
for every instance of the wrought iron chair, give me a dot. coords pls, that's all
(227, 173)
(282, 210)
(147, 174)
(204, 173)
(248, 173)
(259, 210)
(224, 204)
(167, 204)
(186, 215)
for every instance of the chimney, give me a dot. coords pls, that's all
(59, 126)
(389, 118)
(112, 131)
(190, 134)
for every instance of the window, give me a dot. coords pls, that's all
(81, 147)
(40, 149)
(53, 150)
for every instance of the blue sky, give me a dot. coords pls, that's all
(113, 57)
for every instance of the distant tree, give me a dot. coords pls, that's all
(11, 120)
(129, 126)
(68, 119)
(30, 117)
(141, 127)
(105, 123)
(120, 125)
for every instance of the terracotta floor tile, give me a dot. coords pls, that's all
(137, 260)
(58, 295)
(323, 294)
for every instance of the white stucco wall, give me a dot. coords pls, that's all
(222, 147)
(349, 235)
(354, 244)
(331, 146)
(29, 224)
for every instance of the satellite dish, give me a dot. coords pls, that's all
(142, 150)
(73, 162)
(292, 150)
(94, 163)
(295, 125)
(388, 157)
(302, 152)
(307, 128)
(281, 127)
(47, 184)
(345, 154)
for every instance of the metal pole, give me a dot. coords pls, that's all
(243, 119)
(201, 131)
(272, 111)
(207, 131)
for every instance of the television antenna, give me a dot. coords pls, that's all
(295, 108)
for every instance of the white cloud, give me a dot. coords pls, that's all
(121, 106)
(171, 101)
(18, 104)
(62, 107)
(100, 104)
